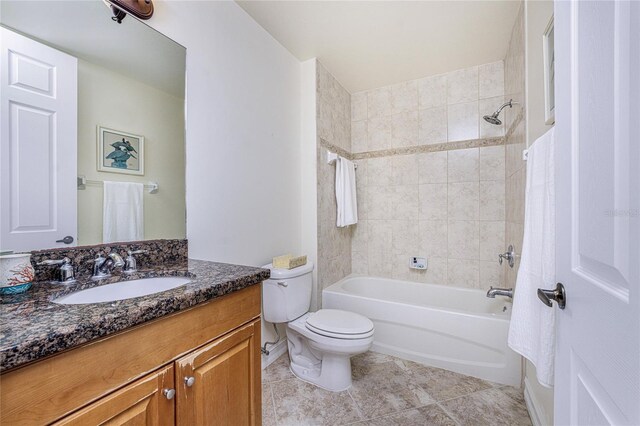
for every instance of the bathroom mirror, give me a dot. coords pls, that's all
(130, 124)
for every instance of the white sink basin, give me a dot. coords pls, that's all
(122, 290)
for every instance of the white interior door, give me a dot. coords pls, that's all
(38, 137)
(597, 371)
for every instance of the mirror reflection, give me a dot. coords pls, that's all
(86, 101)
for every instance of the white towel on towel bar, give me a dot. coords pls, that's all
(346, 200)
(123, 212)
(532, 328)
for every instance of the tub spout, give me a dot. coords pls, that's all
(493, 292)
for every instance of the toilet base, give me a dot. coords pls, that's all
(333, 373)
(322, 361)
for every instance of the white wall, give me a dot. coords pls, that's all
(243, 134)
(118, 102)
(536, 16)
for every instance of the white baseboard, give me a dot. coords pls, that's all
(274, 352)
(536, 412)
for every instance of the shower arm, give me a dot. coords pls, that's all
(509, 104)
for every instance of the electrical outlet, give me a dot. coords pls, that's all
(418, 263)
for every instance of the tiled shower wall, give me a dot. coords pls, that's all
(333, 130)
(515, 143)
(447, 205)
(442, 108)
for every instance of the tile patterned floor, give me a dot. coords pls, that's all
(389, 391)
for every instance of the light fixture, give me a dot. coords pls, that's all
(141, 9)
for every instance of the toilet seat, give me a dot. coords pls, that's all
(339, 324)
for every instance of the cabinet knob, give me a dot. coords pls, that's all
(189, 381)
(169, 393)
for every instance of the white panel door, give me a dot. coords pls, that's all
(597, 372)
(38, 137)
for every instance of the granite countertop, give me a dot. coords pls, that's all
(33, 327)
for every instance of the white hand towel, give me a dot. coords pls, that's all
(123, 212)
(532, 328)
(347, 213)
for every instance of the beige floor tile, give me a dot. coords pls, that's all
(431, 415)
(278, 370)
(268, 414)
(443, 384)
(491, 407)
(385, 388)
(299, 403)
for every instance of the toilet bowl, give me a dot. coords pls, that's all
(320, 343)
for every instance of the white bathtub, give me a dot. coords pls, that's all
(453, 328)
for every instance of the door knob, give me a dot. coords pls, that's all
(67, 240)
(169, 393)
(558, 294)
(189, 381)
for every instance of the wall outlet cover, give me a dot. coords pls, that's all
(418, 263)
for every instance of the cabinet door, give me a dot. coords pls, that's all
(143, 402)
(219, 384)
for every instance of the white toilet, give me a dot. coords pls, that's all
(320, 343)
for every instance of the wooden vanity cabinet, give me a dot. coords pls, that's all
(219, 384)
(141, 403)
(209, 356)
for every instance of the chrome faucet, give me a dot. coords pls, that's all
(494, 291)
(103, 267)
(65, 273)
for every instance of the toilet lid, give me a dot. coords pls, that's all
(341, 324)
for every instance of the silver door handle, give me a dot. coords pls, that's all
(67, 240)
(558, 294)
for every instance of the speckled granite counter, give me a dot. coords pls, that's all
(33, 327)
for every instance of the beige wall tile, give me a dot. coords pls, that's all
(492, 200)
(359, 106)
(405, 170)
(379, 133)
(491, 80)
(380, 171)
(436, 272)
(462, 85)
(463, 273)
(490, 275)
(433, 126)
(432, 91)
(492, 163)
(462, 121)
(433, 238)
(463, 200)
(405, 202)
(433, 201)
(359, 136)
(360, 263)
(432, 167)
(404, 97)
(379, 102)
(405, 237)
(492, 240)
(404, 129)
(487, 107)
(360, 236)
(463, 165)
(463, 239)
(380, 200)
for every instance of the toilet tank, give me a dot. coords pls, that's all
(287, 294)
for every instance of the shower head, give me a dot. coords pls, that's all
(493, 118)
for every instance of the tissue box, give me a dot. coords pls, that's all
(287, 261)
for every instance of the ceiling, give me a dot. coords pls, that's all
(367, 44)
(85, 30)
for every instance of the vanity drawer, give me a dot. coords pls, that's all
(47, 390)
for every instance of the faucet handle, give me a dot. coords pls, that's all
(66, 272)
(130, 263)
